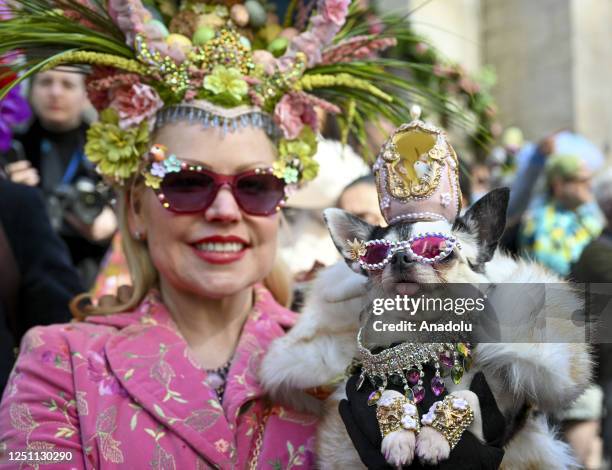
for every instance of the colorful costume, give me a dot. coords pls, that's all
(122, 391)
(555, 236)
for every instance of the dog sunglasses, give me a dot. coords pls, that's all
(184, 188)
(428, 247)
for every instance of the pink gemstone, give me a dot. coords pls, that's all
(413, 376)
(376, 253)
(428, 247)
(447, 359)
(437, 386)
(418, 393)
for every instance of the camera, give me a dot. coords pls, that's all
(84, 198)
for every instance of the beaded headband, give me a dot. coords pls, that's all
(210, 116)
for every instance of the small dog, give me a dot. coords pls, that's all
(530, 375)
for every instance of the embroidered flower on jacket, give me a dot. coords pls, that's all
(98, 373)
(222, 445)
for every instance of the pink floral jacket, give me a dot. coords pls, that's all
(122, 391)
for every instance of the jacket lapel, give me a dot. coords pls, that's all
(163, 379)
(265, 323)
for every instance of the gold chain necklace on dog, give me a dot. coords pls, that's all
(405, 361)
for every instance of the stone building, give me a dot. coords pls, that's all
(553, 58)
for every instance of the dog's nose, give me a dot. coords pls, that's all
(401, 260)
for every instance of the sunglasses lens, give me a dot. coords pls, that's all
(430, 247)
(259, 194)
(188, 191)
(376, 253)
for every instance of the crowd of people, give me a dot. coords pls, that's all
(173, 263)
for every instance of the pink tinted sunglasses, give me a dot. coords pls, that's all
(193, 189)
(428, 247)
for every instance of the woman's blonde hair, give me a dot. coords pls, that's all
(145, 277)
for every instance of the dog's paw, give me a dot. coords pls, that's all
(472, 399)
(398, 447)
(431, 446)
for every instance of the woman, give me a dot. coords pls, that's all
(156, 375)
(203, 138)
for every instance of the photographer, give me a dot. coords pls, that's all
(54, 159)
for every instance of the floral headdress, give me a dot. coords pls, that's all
(219, 63)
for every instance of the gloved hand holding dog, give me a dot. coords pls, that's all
(469, 454)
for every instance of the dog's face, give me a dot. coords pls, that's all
(477, 234)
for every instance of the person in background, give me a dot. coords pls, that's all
(361, 199)
(37, 279)
(523, 188)
(502, 160)
(480, 181)
(595, 262)
(595, 266)
(54, 160)
(556, 231)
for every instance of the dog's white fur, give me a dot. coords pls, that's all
(548, 376)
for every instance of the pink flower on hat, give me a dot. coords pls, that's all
(135, 103)
(309, 44)
(292, 113)
(130, 16)
(336, 11)
(323, 29)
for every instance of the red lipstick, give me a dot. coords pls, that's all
(213, 256)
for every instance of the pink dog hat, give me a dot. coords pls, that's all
(417, 174)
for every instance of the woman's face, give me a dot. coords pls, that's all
(222, 250)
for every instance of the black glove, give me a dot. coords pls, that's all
(469, 453)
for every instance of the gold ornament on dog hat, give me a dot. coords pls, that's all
(417, 174)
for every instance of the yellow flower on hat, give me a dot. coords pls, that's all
(226, 81)
(116, 151)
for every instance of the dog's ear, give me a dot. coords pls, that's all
(344, 228)
(486, 220)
